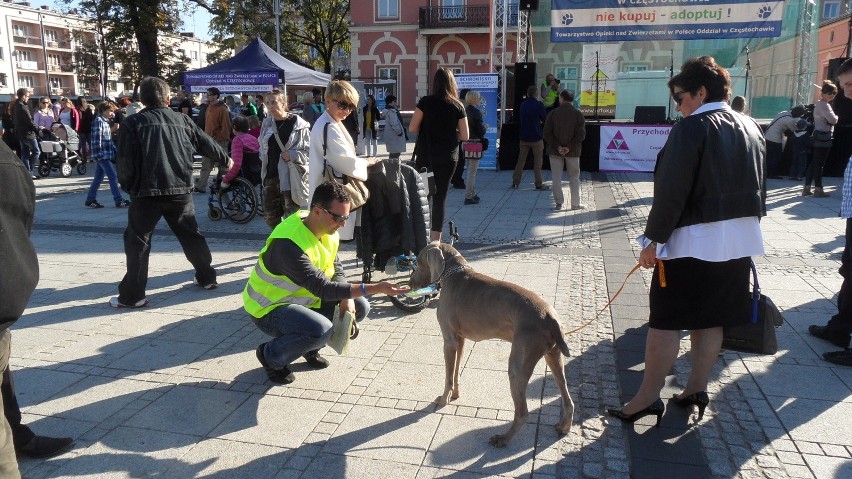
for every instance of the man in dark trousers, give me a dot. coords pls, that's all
(532, 116)
(18, 279)
(838, 330)
(154, 164)
(26, 131)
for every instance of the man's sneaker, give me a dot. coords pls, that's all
(122, 204)
(280, 376)
(843, 358)
(542, 187)
(115, 303)
(841, 340)
(93, 204)
(315, 361)
(207, 286)
(558, 206)
(471, 201)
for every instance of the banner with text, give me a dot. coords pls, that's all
(627, 20)
(232, 82)
(486, 84)
(630, 147)
(597, 84)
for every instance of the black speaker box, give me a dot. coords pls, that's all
(524, 77)
(528, 5)
(649, 115)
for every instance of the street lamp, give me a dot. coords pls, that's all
(278, 26)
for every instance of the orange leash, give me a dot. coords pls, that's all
(662, 274)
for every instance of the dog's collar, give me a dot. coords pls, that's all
(451, 271)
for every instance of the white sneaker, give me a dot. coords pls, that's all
(116, 304)
(206, 286)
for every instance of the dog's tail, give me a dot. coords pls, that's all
(562, 345)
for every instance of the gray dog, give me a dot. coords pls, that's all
(476, 307)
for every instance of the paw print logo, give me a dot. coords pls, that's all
(764, 12)
(567, 19)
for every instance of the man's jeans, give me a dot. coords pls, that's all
(30, 153)
(573, 165)
(537, 148)
(298, 329)
(142, 216)
(104, 167)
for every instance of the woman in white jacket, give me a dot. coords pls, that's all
(340, 99)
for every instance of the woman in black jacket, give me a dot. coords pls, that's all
(703, 228)
(371, 126)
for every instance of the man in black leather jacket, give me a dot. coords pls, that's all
(154, 164)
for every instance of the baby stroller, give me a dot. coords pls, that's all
(394, 228)
(59, 146)
(241, 202)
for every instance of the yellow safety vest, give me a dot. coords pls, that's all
(551, 97)
(266, 291)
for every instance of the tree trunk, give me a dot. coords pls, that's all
(143, 18)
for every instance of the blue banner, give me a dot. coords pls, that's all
(232, 82)
(636, 20)
(486, 84)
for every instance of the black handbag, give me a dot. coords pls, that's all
(756, 336)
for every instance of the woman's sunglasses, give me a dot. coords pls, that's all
(344, 106)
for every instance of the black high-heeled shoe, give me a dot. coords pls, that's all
(655, 409)
(699, 399)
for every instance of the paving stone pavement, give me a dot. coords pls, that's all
(174, 390)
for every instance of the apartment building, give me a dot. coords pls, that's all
(37, 52)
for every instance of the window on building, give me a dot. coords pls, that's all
(387, 10)
(569, 77)
(387, 73)
(455, 70)
(193, 55)
(50, 35)
(19, 30)
(24, 55)
(26, 81)
(112, 85)
(55, 82)
(830, 9)
(3, 79)
(452, 9)
(2, 56)
(53, 59)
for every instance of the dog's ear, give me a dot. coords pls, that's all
(435, 260)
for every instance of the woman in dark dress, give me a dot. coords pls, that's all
(703, 228)
(441, 119)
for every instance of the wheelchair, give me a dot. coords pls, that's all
(241, 201)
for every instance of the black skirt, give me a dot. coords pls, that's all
(700, 294)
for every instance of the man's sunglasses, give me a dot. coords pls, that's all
(338, 218)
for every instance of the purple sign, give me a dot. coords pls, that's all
(232, 82)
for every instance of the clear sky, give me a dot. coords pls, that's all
(196, 21)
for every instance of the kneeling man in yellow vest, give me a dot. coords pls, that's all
(299, 279)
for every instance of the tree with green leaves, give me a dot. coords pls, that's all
(312, 31)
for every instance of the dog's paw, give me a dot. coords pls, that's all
(563, 427)
(455, 394)
(498, 440)
(442, 401)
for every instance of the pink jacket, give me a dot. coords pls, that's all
(241, 141)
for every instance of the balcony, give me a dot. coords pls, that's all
(27, 65)
(58, 44)
(26, 40)
(451, 18)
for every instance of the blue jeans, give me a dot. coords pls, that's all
(30, 153)
(104, 167)
(298, 329)
(142, 216)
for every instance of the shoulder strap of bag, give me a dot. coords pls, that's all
(755, 295)
(773, 122)
(325, 150)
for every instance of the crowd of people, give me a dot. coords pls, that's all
(703, 226)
